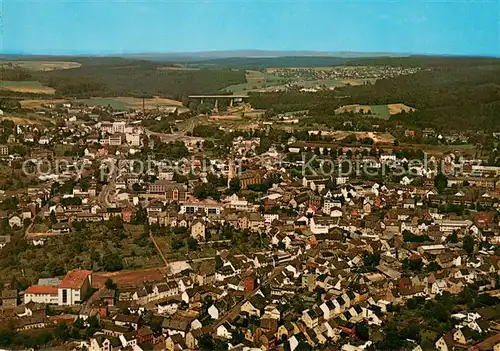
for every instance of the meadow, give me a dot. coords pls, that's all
(380, 111)
(256, 80)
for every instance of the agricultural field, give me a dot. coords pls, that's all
(379, 111)
(42, 66)
(128, 278)
(256, 80)
(26, 87)
(37, 103)
(30, 118)
(19, 120)
(398, 108)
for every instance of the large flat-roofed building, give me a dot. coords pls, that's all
(74, 286)
(115, 127)
(207, 206)
(41, 294)
(114, 139)
(480, 169)
(449, 225)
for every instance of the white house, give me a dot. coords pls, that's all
(224, 331)
(44, 140)
(74, 286)
(15, 221)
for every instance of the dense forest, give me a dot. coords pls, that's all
(122, 77)
(424, 61)
(271, 62)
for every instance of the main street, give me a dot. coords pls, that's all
(103, 197)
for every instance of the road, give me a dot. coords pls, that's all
(103, 197)
(87, 307)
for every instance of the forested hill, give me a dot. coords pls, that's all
(425, 61)
(98, 76)
(447, 96)
(462, 97)
(271, 62)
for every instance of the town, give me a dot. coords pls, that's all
(218, 234)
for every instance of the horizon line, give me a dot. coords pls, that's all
(286, 53)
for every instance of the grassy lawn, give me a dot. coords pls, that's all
(256, 80)
(381, 111)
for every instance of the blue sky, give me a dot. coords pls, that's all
(470, 27)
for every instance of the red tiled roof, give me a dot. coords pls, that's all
(42, 289)
(74, 279)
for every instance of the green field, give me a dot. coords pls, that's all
(381, 111)
(256, 80)
(26, 87)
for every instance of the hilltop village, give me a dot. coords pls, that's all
(117, 237)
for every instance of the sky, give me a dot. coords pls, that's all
(457, 27)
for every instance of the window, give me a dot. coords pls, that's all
(65, 296)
